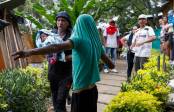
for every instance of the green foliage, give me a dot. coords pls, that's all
(134, 101)
(153, 82)
(150, 81)
(3, 103)
(24, 89)
(43, 12)
(126, 11)
(152, 62)
(77, 7)
(29, 17)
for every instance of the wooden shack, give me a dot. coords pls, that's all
(10, 37)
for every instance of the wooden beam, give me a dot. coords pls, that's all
(11, 4)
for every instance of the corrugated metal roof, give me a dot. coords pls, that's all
(11, 4)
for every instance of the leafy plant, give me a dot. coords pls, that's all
(134, 101)
(150, 80)
(44, 17)
(152, 62)
(25, 89)
(3, 103)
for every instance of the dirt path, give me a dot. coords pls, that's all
(110, 84)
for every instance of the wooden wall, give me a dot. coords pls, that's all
(10, 41)
(2, 66)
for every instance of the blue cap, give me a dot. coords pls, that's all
(65, 15)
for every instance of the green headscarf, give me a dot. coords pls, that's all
(87, 50)
(85, 28)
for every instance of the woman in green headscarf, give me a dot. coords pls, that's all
(86, 52)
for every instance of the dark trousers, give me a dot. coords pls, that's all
(130, 62)
(139, 62)
(85, 101)
(60, 91)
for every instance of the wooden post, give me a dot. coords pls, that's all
(164, 62)
(2, 65)
(158, 62)
(8, 62)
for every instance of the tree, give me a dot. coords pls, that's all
(42, 12)
(127, 11)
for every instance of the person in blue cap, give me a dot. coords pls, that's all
(87, 50)
(60, 72)
(59, 63)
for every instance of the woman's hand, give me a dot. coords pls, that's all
(20, 54)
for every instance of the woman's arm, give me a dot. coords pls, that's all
(108, 61)
(67, 45)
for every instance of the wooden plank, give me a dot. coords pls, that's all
(14, 47)
(11, 4)
(6, 49)
(10, 41)
(2, 64)
(3, 47)
(8, 62)
(20, 43)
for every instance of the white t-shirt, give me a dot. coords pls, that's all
(140, 36)
(111, 40)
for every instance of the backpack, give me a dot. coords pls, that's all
(129, 42)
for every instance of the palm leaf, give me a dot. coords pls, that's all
(43, 12)
(66, 7)
(31, 18)
(90, 4)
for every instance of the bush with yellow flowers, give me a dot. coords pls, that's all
(148, 86)
(150, 81)
(134, 101)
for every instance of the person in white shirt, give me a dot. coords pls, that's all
(110, 34)
(142, 42)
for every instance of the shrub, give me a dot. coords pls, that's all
(151, 81)
(3, 103)
(147, 89)
(25, 89)
(152, 63)
(134, 101)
